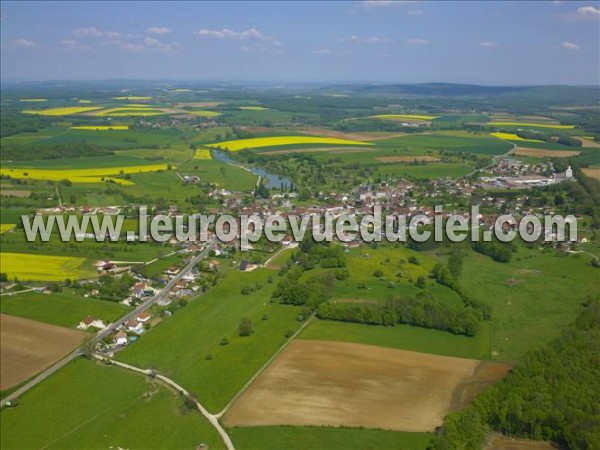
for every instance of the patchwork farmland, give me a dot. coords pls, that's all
(339, 384)
(27, 347)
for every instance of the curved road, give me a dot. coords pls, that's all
(111, 327)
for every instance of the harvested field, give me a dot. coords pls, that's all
(327, 383)
(14, 193)
(199, 104)
(396, 159)
(364, 136)
(28, 347)
(543, 153)
(588, 143)
(593, 172)
(505, 443)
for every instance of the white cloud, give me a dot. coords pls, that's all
(127, 42)
(582, 13)
(417, 41)
(225, 33)
(324, 51)
(24, 43)
(383, 3)
(570, 45)
(365, 40)
(72, 44)
(89, 31)
(257, 41)
(158, 30)
(488, 44)
(588, 11)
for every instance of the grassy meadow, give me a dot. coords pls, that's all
(197, 331)
(90, 405)
(305, 438)
(65, 308)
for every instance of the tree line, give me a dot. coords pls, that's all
(553, 394)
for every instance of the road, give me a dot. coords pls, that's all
(492, 164)
(212, 419)
(112, 327)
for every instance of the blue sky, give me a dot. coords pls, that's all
(384, 41)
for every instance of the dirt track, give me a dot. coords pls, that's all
(505, 443)
(27, 347)
(396, 159)
(345, 384)
(542, 153)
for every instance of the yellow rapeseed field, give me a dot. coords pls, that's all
(91, 175)
(253, 108)
(4, 227)
(43, 267)
(204, 113)
(403, 116)
(276, 141)
(512, 137)
(529, 124)
(100, 127)
(129, 111)
(202, 153)
(62, 111)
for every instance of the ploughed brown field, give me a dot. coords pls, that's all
(326, 132)
(542, 153)
(316, 150)
(14, 193)
(589, 143)
(593, 172)
(345, 384)
(396, 159)
(28, 347)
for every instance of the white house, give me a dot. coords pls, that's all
(134, 326)
(90, 321)
(120, 338)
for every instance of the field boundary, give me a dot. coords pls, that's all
(213, 420)
(263, 368)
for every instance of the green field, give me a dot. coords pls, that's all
(325, 438)
(434, 170)
(117, 138)
(178, 347)
(404, 337)
(65, 308)
(546, 294)
(89, 405)
(132, 251)
(109, 161)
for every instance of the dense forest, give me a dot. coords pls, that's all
(553, 394)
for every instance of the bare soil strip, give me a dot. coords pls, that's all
(588, 143)
(344, 384)
(499, 442)
(27, 347)
(593, 172)
(319, 131)
(543, 153)
(14, 193)
(396, 159)
(318, 150)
